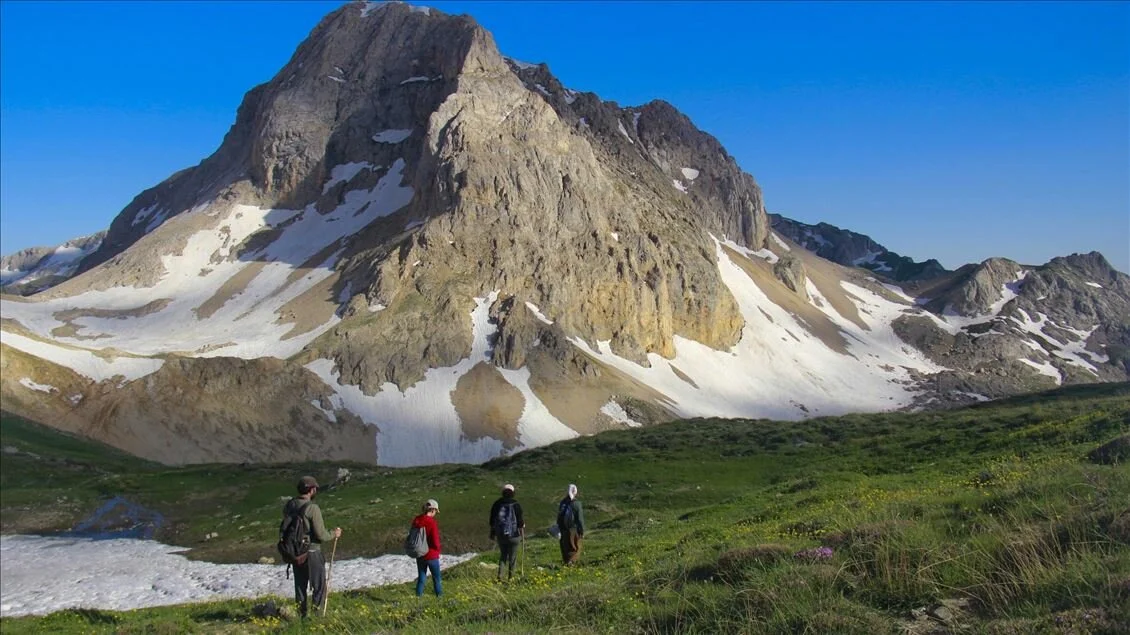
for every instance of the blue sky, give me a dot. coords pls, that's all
(958, 131)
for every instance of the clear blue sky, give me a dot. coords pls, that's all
(958, 131)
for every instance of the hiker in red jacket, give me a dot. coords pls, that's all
(430, 560)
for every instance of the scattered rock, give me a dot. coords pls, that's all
(266, 560)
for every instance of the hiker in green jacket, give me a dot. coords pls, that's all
(571, 523)
(312, 573)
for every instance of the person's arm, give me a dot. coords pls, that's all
(433, 536)
(317, 525)
(493, 515)
(578, 511)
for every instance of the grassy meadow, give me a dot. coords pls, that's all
(1006, 517)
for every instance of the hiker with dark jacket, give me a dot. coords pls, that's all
(571, 523)
(311, 573)
(506, 526)
(430, 560)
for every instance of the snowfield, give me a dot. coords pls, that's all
(41, 575)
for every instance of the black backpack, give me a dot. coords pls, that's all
(565, 515)
(506, 523)
(294, 541)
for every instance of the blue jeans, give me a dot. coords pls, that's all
(422, 567)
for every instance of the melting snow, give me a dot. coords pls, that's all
(780, 243)
(1045, 368)
(416, 78)
(690, 173)
(570, 96)
(541, 89)
(615, 236)
(82, 361)
(336, 79)
(617, 413)
(759, 377)
(953, 322)
(624, 131)
(392, 136)
(537, 312)
(41, 575)
(30, 383)
(1093, 284)
(345, 173)
(247, 325)
(420, 426)
(679, 185)
(1071, 351)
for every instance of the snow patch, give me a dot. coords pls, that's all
(1093, 284)
(82, 361)
(617, 413)
(416, 78)
(541, 89)
(679, 185)
(28, 382)
(42, 575)
(624, 131)
(392, 136)
(780, 243)
(690, 173)
(345, 173)
(537, 313)
(420, 425)
(520, 64)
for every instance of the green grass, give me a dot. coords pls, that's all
(994, 511)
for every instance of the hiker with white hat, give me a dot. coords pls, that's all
(508, 528)
(571, 523)
(430, 560)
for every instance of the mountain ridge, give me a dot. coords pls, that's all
(410, 241)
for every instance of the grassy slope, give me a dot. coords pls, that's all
(993, 510)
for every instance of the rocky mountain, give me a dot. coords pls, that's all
(410, 249)
(37, 268)
(854, 250)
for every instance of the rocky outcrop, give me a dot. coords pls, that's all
(851, 249)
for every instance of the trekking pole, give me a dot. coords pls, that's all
(522, 570)
(329, 572)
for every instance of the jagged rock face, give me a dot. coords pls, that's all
(854, 250)
(412, 250)
(1025, 328)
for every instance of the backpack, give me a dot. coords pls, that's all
(294, 541)
(565, 515)
(416, 544)
(506, 523)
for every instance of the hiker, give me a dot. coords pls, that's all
(507, 526)
(430, 560)
(311, 573)
(571, 522)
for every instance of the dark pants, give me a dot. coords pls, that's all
(570, 546)
(509, 548)
(422, 568)
(313, 573)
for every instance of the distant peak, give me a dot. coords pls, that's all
(369, 7)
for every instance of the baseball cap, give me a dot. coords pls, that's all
(508, 486)
(306, 483)
(432, 504)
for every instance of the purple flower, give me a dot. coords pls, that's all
(814, 553)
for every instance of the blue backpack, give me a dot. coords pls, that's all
(566, 518)
(506, 523)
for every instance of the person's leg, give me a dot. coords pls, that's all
(316, 564)
(437, 584)
(421, 575)
(563, 542)
(301, 582)
(506, 554)
(512, 557)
